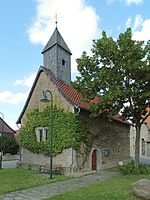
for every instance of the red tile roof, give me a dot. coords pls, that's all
(75, 97)
(118, 118)
(70, 92)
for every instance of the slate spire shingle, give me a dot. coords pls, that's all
(57, 57)
(56, 38)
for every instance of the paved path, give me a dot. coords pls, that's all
(52, 189)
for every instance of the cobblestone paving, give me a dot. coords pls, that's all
(45, 191)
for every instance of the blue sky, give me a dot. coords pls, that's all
(26, 26)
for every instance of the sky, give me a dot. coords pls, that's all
(26, 26)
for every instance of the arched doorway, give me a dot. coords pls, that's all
(94, 160)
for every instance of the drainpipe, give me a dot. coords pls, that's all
(19, 144)
(77, 113)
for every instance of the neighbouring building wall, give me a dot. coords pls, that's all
(43, 84)
(111, 142)
(144, 143)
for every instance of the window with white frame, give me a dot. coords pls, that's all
(41, 134)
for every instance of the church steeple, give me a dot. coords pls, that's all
(57, 57)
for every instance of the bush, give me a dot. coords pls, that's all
(9, 145)
(131, 168)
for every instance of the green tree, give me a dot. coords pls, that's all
(9, 144)
(118, 72)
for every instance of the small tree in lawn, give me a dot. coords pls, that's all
(119, 73)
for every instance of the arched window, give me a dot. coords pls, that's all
(143, 146)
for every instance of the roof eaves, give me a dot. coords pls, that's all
(118, 119)
(29, 96)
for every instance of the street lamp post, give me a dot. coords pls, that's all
(46, 99)
(1, 142)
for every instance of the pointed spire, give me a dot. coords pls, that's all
(56, 38)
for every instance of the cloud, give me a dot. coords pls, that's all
(77, 22)
(9, 97)
(129, 2)
(27, 81)
(140, 28)
(128, 22)
(138, 22)
(144, 33)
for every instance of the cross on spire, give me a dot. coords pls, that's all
(56, 19)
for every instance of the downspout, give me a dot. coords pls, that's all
(77, 113)
(19, 144)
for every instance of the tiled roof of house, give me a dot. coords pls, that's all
(5, 128)
(118, 118)
(68, 92)
(76, 98)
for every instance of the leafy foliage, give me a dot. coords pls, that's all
(9, 145)
(131, 168)
(118, 72)
(67, 131)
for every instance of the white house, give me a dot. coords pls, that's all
(144, 142)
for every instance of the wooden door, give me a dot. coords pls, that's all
(94, 160)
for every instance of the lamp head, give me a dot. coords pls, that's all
(44, 98)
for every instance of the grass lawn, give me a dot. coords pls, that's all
(16, 179)
(117, 188)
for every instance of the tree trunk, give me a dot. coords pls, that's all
(137, 145)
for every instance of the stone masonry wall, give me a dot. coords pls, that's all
(44, 83)
(110, 137)
(64, 159)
